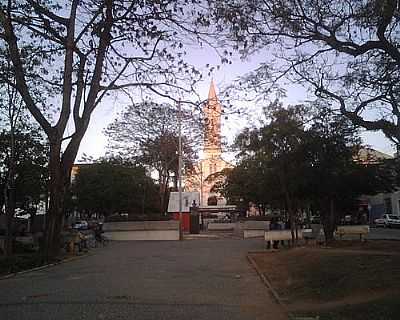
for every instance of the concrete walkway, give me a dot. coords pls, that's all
(193, 279)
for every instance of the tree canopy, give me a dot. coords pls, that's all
(299, 160)
(106, 188)
(74, 53)
(346, 52)
(148, 134)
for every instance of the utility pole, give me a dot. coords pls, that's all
(180, 166)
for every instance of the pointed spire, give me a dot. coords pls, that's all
(212, 95)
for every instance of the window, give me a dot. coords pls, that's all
(388, 205)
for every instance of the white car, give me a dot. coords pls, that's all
(80, 225)
(388, 220)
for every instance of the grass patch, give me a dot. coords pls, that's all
(382, 309)
(20, 262)
(336, 276)
(360, 282)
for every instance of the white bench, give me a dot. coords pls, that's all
(255, 229)
(280, 235)
(275, 235)
(361, 230)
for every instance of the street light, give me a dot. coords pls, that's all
(180, 166)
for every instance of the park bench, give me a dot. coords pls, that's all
(280, 235)
(361, 231)
(255, 229)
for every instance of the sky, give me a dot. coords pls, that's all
(94, 143)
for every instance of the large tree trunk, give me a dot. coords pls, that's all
(10, 212)
(289, 206)
(329, 222)
(9, 194)
(58, 186)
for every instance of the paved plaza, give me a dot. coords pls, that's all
(191, 279)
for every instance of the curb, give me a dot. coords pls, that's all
(266, 282)
(275, 294)
(14, 274)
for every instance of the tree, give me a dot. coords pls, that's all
(29, 152)
(79, 51)
(11, 106)
(272, 162)
(106, 188)
(22, 158)
(302, 159)
(335, 177)
(346, 51)
(148, 133)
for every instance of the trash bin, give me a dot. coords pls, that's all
(194, 224)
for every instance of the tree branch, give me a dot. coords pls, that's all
(11, 40)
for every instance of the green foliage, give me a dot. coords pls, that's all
(148, 133)
(270, 166)
(107, 188)
(75, 53)
(346, 52)
(301, 159)
(31, 155)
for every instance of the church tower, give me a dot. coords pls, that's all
(202, 179)
(212, 133)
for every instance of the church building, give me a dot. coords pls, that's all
(202, 179)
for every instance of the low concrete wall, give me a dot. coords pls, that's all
(220, 226)
(255, 229)
(142, 230)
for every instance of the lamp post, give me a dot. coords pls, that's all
(180, 166)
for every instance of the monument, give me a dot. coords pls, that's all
(205, 172)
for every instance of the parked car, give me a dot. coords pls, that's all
(388, 220)
(80, 225)
(315, 219)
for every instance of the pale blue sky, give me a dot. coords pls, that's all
(94, 142)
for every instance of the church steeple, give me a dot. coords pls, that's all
(212, 114)
(211, 92)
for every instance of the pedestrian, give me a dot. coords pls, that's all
(273, 226)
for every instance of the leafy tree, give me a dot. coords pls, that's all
(335, 178)
(347, 52)
(271, 168)
(148, 133)
(77, 52)
(300, 159)
(23, 164)
(106, 188)
(10, 107)
(30, 172)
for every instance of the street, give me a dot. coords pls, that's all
(384, 234)
(193, 279)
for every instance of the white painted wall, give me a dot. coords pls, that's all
(145, 235)
(142, 230)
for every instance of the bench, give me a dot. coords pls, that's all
(255, 229)
(280, 235)
(353, 230)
